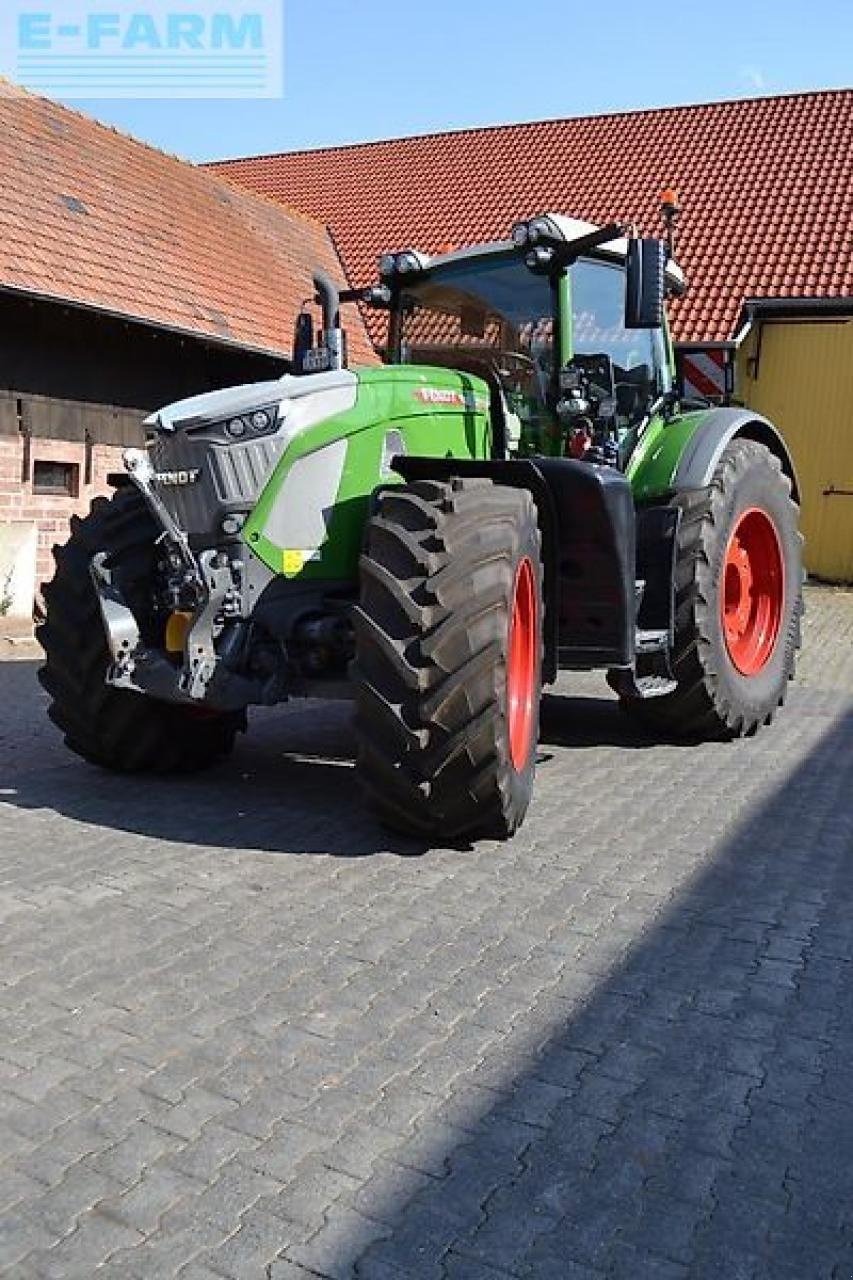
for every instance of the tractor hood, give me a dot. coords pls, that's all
(213, 454)
(215, 406)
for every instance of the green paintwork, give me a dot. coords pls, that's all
(435, 410)
(566, 326)
(653, 464)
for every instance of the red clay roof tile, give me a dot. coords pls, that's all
(89, 215)
(764, 184)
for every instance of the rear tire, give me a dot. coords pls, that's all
(115, 728)
(739, 600)
(449, 657)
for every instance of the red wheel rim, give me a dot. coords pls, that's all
(752, 592)
(521, 665)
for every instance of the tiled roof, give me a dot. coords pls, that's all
(765, 186)
(91, 216)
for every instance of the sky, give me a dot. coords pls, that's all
(360, 71)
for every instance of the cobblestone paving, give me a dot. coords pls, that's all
(243, 1034)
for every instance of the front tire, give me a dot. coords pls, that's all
(449, 658)
(739, 600)
(115, 728)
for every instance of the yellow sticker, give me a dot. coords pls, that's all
(293, 562)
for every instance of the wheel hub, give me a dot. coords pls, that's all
(752, 591)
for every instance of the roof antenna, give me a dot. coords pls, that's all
(670, 211)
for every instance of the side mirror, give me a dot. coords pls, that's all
(303, 340)
(645, 283)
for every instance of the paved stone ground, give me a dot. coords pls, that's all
(242, 1034)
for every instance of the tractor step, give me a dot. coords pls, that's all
(651, 676)
(653, 686)
(652, 642)
(630, 685)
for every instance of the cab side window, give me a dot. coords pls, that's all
(640, 367)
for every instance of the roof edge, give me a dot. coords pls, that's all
(429, 135)
(764, 308)
(712, 344)
(146, 322)
(842, 303)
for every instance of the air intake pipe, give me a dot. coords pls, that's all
(333, 337)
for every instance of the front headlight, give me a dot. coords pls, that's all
(538, 229)
(257, 422)
(407, 262)
(404, 263)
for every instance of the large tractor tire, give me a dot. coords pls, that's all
(115, 728)
(449, 658)
(739, 600)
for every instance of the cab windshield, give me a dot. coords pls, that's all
(492, 316)
(488, 316)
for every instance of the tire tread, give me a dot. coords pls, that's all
(437, 570)
(700, 708)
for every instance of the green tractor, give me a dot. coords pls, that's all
(518, 491)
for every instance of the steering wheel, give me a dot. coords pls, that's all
(519, 356)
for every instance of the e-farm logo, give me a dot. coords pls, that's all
(76, 49)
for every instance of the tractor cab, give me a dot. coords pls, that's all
(564, 321)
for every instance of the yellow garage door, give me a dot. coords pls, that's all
(805, 386)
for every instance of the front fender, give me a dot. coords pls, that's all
(684, 452)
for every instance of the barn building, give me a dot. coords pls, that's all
(128, 278)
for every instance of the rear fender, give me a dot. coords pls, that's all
(682, 453)
(715, 430)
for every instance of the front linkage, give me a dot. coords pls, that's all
(205, 592)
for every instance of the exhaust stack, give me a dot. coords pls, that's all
(332, 336)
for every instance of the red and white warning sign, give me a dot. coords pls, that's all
(704, 373)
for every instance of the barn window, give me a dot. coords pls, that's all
(59, 479)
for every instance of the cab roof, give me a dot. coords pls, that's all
(572, 228)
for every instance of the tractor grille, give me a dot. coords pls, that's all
(231, 478)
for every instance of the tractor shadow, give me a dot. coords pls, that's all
(589, 721)
(289, 788)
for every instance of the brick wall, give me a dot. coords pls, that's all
(18, 501)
